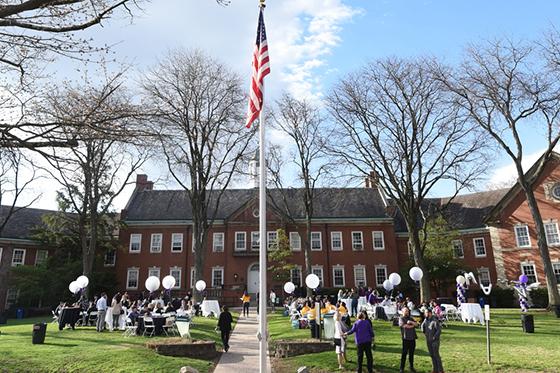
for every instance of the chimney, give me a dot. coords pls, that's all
(142, 183)
(372, 180)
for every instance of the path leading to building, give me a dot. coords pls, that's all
(243, 354)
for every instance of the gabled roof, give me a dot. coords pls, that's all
(516, 189)
(22, 222)
(330, 203)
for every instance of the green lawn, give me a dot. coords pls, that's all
(85, 350)
(463, 346)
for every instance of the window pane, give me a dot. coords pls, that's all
(484, 274)
(359, 276)
(522, 234)
(218, 242)
(176, 273)
(380, 275)
(458, 249)
(295, 241)
(295, 276)
(357, 241)
(319, 272)
(156, 243)
(272, 238)
(336, 240)
(338, 276)
(316, 241)
(378, 243)
(556, 268)
(529, 271)
(552, 237)
(479, 248)
(135, 240)
(110, 258)
(240, 241)
(217, 277)
(255, 240)
(177, 242)
(132, 278)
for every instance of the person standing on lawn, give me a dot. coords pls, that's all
(339, 339)
(408, 334)
(246, 300)
(272, 297)
(432, 329)
(101, 311)
(364, 337)
(224, 324)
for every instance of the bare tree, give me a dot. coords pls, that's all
(395, 119)
(304, 125)
(504, 87)
(197, 106)
(95, 171)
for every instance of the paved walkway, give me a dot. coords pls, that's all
(243, 354)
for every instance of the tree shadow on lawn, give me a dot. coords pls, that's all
(59, 344)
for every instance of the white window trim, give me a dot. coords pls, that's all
(487, 270)
(257, 233)
(154, 268)
(363, 267)
(131, 269)
(244, 248)
(476, 255)
(152, 242)
(382, 240)
(139, 243)
(37, 255)
(268, 240)
(300, 275)
(105, 264)
(462, 249)
(217, 234)
(322, 277)
(332, 241)
(177, 281)
(530, 263)
(182, 242)
(192, 276)
(7, 304)
(557, 262)
(375, 273)
(320, 241)
(517, 237)
(362, 240)
(221, 269)
(557, 231)
(335, 267)
(298, 248)
(22, 257)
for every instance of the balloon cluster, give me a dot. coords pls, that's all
(289, 287)
(312, 281)
(200, 285)
(393, 281)
(78, 285)
(461, 291)
(152, 283)
(521, 289)
(416, 274)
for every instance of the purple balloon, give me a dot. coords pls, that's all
(523, 279)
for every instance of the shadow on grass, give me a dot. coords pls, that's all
(59, 344)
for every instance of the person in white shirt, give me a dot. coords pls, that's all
(339, 339)
(272, 297)
(101, 311)
(386, 302)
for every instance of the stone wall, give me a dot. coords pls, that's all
(198, 349)
(282, 349)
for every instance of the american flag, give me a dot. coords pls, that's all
(261, 68)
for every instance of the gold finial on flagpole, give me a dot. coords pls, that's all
(262, 4)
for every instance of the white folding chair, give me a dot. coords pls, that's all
(130, 328)
(54, 318)
(92, 319)
(149, 326)
(169, 325)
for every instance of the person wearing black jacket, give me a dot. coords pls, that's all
(224, 324)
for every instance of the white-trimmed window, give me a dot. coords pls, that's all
(336, 241)
(41, 257)
(217, 277)
(271, 239)
(176, 273)
(12, 296)
(135, 243)
(318, 270)
(479, 247)
(240, 241)
(522, 235)
(338, 276)
(255, 241)
(110, 258)
(357, 241)
(378, 240)
(192, 277)
(295, 276)
(316, 242)
(552, 235)
(218, 242)
(380, 274)
(154, 271)
(484, 276)
(177, 242)
(529, 270)
(556, 269)
(458, 251)
(155, 243)
(18, 257)
(132, 278)
(360, 275)
(295, 241)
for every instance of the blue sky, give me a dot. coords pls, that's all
(314, 42)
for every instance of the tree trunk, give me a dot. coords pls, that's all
(199, 253)
(414, 239)
(551, 283)
(307, 255)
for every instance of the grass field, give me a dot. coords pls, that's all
(463, 346)
(85, 350)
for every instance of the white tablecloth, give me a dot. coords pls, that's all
(471, 313)
(362, 301)
(109, 319)
(210, 306)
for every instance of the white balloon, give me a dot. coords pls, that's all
(289, 287)
(83, 281)
(387, 285)
(395, 279)
(152, 283)
(460, 279)
(312, 281)
(200, 285)
(168, 282)
(74, 287)
(416, 273)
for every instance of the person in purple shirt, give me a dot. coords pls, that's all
(363, 331)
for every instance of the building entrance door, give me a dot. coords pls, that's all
(253, 279)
